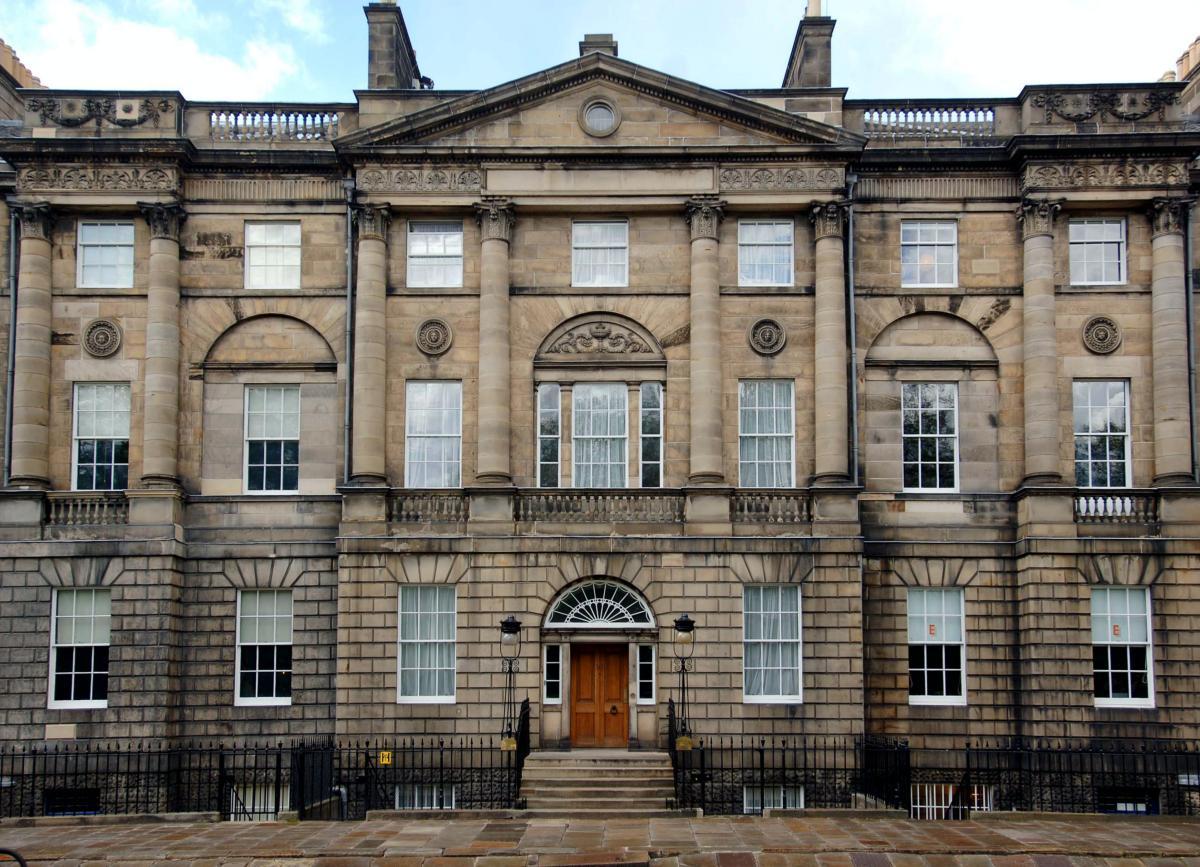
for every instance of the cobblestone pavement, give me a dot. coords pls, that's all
(676, 842)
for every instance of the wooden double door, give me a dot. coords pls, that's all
(599, 695)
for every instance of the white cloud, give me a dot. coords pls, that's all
(300, 15)
(72, 44)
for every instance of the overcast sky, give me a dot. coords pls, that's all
(315, 50)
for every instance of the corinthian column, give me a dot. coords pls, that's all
(31, 378)
(1172, 423)
(704, 215)
(370, 347)
(496, 217)
(160, 421)
(1043, 465)
(830, 395)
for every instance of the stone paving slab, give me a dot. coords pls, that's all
(674, 842)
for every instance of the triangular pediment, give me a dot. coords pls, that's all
(546, 110)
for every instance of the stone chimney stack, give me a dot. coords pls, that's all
(601, 43)
(811, 58)
(391, 61)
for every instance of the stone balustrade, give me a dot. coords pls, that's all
(428, 507)
(782, 506)
(1121, 506)
(630, 506)
(959, 120)
(273, 123)
(86, 509)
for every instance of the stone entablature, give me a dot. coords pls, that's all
(1087, 175)
(97, 178)
(430, 179)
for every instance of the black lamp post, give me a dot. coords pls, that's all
(683, 646)
(510, 650)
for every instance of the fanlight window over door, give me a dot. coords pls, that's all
(600, 605)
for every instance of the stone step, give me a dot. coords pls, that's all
(560, 813)
(587, 804)
(655, 774)
(578, 790)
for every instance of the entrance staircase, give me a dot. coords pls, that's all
(598, 784)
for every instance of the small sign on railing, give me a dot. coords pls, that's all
(385, 757)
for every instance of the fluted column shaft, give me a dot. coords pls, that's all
(830, 395)
(1042, 462)
(368, 458)
(494, 463)
(31, 379)
(706, 467)
(160, 419)
(1172, 422)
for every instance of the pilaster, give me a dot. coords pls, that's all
(31, 390)
(496, 217)
(830, 393)
(703, 215)
(1169, 344)
(368, 456)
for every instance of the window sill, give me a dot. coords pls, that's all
(427, 700)
(929, 286)
(1125, 704)
(950, 492)
(77, 705)
(937, 701)
(772, 699)
(261, 702)
(293, 493)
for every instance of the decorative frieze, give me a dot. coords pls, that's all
(827, 219)
(263, 189)
(954, 188)
(1115, 175)
(448, 179)
(1101, 335)
(373, 221)
(91, 178)
(496, 217)
(781, 179)
(164, 220)
(1166, 216)
(1037, 216)
(605, 338)
(1104, 105)
(36, 220)
(704, 215)
(434, 337)
(75, 111)
(102, 338)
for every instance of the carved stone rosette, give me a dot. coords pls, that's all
(1101, 335)
(165, 220)
(102, 338)
(434, 336)
(704, 215)
(36, 220)
(496, 216)
(373, 221)
(828, 219)
(1166, 216)
(767, 337)
(1037, 216)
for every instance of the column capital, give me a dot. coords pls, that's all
(373, 221)
(36, 220)
(703, 214)
(165, 219)
(1166, 216)
(1036, 216)
(828, 219)
(496, 216)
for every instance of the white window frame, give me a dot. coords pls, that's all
(400, 640)
(750, 789)
(792, 435)
(940, 700)
(259, 701)
(644, 437)
(937, 436)
(73, 704)
(435, 790)
(1139, 703)
(798, 698)
(918, 283)
(439, 258)
(546, 680)
(538, 437)
(248, 246)
(409, 434)
(282, 492)
(790, 246)
(579, 389)
(80, 244)
(653, 681)
(1125, 438)
(75, 437)
(575, 247)
(1081, 245)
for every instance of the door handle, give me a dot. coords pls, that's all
(613, 710)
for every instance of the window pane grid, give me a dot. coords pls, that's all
(599, 435)
(101, 447)
(1097, 251)
(1101, 421)
(1121, 644)
(928, 254)
(549, 401)
(645, 673)
(936, 643)
(433, 434)
(273, 438)
(650, 413)
(765, 252)
(771, 642)
(427, 643)
(600, 254)
(81, 635)
(766, 433)
(273, 255)
(552, 674)
(265, 644)
(929, 436)
(105, 252)
(435, 254)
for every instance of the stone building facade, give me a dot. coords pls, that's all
(896, 399)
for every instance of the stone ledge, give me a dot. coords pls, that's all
(129, 819)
